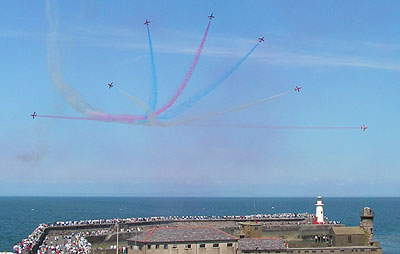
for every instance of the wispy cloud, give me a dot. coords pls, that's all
(131, 60)
(383, 45)
(15, 34)
(272, 52)
(326, 60)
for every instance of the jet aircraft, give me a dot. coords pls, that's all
(261, 39)
(110, 85)
(363, 127)
(34, 115)
(211, 16)
(147, 22)
(297, 88)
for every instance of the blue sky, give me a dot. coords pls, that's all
(344, 54)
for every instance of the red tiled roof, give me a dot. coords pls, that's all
(183, 234)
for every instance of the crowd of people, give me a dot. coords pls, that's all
(33, 240)
(26, 245)
(75, 244)
(97, 232)
(123, 250)
(321, 238)
(180, 218)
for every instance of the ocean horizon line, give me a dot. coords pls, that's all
(128, 196)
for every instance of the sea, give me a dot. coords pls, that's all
(19, 216)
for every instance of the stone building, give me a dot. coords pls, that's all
(183, 240)
(199, 240)
(348, 236)
(250, 230)
(356, 236)
(367, 223)
(209, 240)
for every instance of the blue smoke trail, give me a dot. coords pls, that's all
(153, 95)
(197, 97)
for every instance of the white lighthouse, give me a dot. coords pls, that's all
(319, 210)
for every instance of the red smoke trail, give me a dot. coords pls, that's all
(188, 75)
(102, 117)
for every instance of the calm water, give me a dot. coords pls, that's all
(19, 216)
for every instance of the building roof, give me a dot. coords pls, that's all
(261, 244)
(348, 231)
(182, 234)
(250, 223)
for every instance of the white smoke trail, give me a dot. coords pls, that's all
(73, 97)
(137, 101)
(255, 126)
(220, 113)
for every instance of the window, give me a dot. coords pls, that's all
(148, 246)
(157, 246)
(216, 245)
(188, 246)
(229, 244)
(256, 228)
(349, 239)
(165, 246)
(202, 245)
